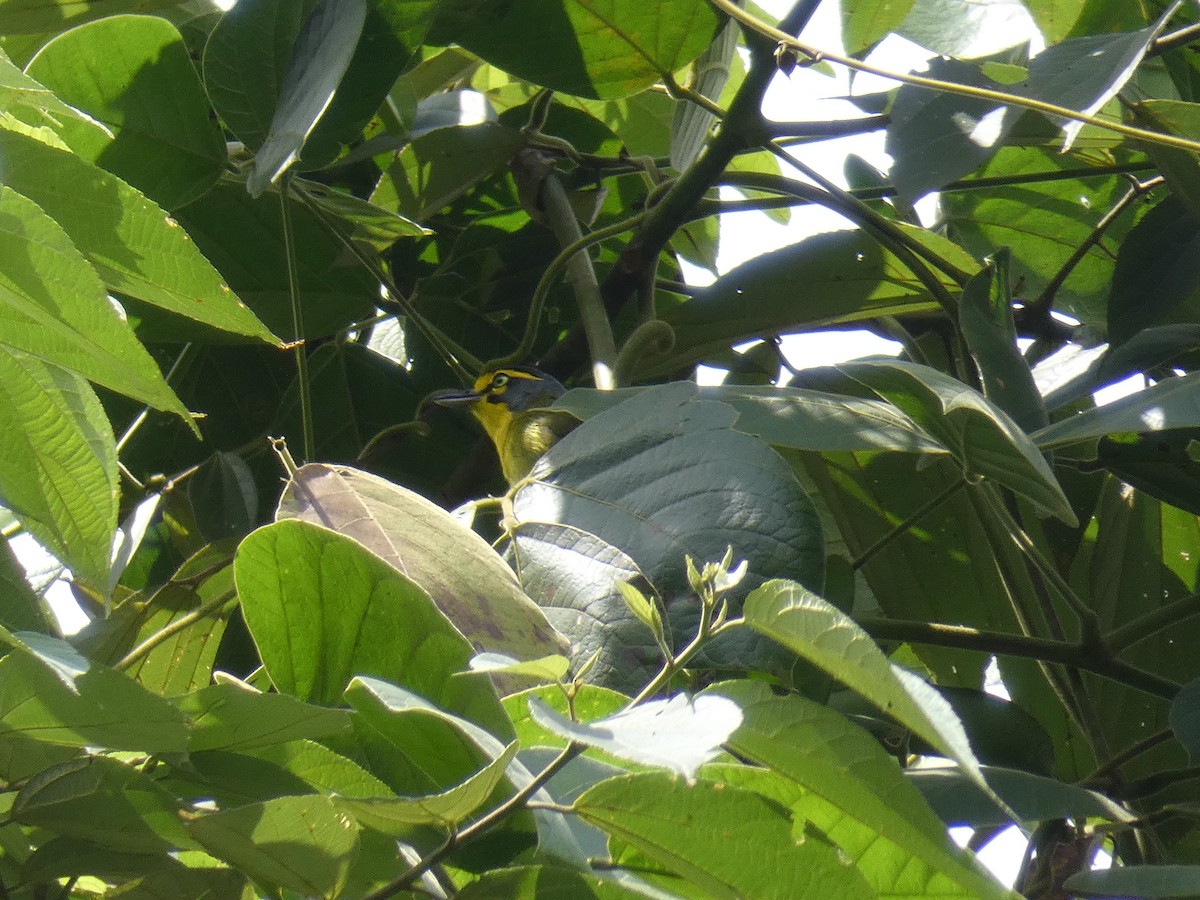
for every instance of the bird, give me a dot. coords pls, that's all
(510, 403)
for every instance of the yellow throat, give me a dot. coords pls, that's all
(509, 403)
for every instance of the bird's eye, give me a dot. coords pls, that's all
(499, 381)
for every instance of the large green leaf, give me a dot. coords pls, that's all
(1171, 403)
(658, 477)
(936, 137)
(136, 247)
(246, 59)
(591, 48)
(101, 799)
(798, 418)
(1134, 562)
(1159, 881)
(43, 16)
(54, 306)
(132, 73)
(1035, 798)
(824, 280)
(320, 56)
(442, 746)
(440, 166)
(234, 716)
(1157, 276)
(463, 575)
(60, 463)
(56, 696)
(323, 609)
(866, 22)
(982, 438)
(303, 844)
(855, 793)
(679, 734)
(986, 317)
(396, 815)
(831, 640)
(727, 841)
(1044, 223)
(518, 882)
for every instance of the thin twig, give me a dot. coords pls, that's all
(173, 628)
(757, 25)
(907, 523)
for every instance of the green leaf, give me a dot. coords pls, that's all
(1135, 561)
(470, 584)
(224, 497)
(441, 166)
(519, 882)
(986, 317)
(60, 464)
(1084, 73)
(243, 238)
(831, 640)
(659, 477)
(54, 306)
(936, 137)
(606, 49)
(1157, 277)
(855, 793)
(1185, 718)
(431, 738)
(845, 277)
(183, 661)
(548, 669)
(724, 840)
(133, 74)
(51, 693)
(866, 22)
(20, 608)
(798, 418)
(1159, 881)
(982, 438)
(1035, 798)
(322, 52)
(245, 60)
(680, 734)
(323, 609)
(1171, 403)
(396, 815)
(1044, 223)
(1179, 167)
(101, 799)
(301, 844)
(33, 103)
(234, 716)
(136, 247)
(43, 16)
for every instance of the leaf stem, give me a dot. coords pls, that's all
(1153, 622)
(299, 350)
(173, 628)
(907, 523)
(509, 807)
(556, 206)
(1040, 307)
(1065, 653)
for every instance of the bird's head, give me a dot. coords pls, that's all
(501, 394)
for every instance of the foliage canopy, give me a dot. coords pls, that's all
(698, 649)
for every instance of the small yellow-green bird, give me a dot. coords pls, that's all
(511, 404)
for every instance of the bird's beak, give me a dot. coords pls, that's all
(451, 398)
